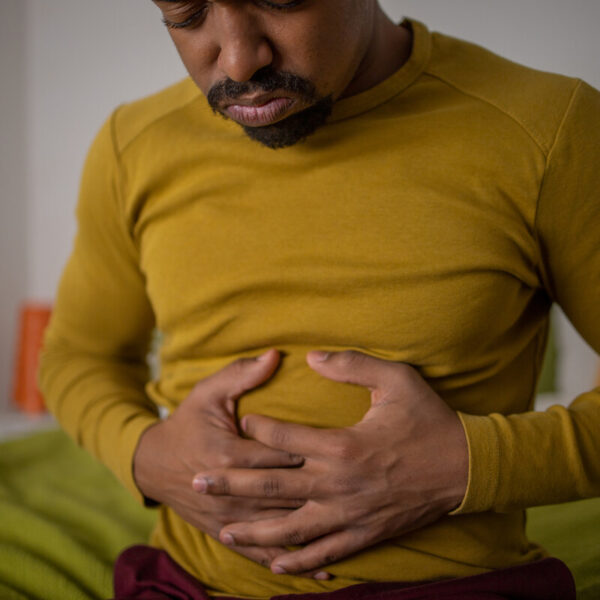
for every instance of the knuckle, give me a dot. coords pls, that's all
(249, 427)
(265, 561)
(349, 358)
(236, 372)
(219, 485)
(294, 538)
(381, 397)
(279, 437)
(344, 448)
(237, 366)
(331, 558)
(224, 461)
(271, 488)
(241, 366)
(347, 484)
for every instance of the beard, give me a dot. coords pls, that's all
(288, 131)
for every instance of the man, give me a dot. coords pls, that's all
(353, 290)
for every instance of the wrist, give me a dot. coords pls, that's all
(145, 462)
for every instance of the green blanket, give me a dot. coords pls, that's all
(64, 519)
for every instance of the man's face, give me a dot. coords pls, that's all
(274, 66)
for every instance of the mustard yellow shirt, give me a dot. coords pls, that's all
(433, 220)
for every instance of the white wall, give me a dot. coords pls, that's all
(67, 63)
(553, 35)
(86, 57)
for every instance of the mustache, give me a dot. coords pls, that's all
(265, 80)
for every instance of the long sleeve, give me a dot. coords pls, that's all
(537, 458)
(93, 368)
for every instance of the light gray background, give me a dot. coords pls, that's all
(65, 64)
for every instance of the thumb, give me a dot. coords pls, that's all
(352, 367)
(238, 377)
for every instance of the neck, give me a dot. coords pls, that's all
(390, 48)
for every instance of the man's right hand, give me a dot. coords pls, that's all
(201, 435)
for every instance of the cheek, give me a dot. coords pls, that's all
(198, 58)
(315, 56)
(330, 60)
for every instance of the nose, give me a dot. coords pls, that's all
(244, 48)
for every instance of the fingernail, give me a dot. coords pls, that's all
(278, 570)
(200, 485)
(322, 576)
(227, 539)
(263, 356)
(244, 423)
(321, 356)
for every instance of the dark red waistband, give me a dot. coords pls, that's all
(144, 573)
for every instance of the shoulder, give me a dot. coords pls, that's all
(536, 100)
(168, 106)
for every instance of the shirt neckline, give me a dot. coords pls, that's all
(393, 85)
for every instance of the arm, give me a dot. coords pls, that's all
(93, 368)
(532, 459)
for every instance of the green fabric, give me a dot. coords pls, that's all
(571, 532)
(547, 381)
(64, 518)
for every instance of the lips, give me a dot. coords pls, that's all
(260, 112)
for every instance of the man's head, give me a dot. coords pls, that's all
(277, 66)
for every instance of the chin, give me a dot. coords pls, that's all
(293, 129)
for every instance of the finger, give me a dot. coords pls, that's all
(356, 368)
(322, 553)
(298, 527)
(290, 437)
(251, 454)
(238, 377)
(256, 510)
(258, 483)
(265, 556)
(272, 513)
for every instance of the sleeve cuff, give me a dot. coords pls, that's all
(484, 464)
(131, 436)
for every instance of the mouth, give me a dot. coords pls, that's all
(259, 111)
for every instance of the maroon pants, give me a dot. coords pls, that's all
(144, 573)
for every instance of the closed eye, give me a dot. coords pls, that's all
(192, 15)
(196, 17)
(282, 5)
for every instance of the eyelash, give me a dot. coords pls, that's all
(192, 20)
(195, 18)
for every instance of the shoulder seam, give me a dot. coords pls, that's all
(527, 130)
(154, 122)
(564, 118)
(119, 180)
(536, 231)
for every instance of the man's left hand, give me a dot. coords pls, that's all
(402, 467)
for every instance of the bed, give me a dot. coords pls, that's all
(64, 519)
